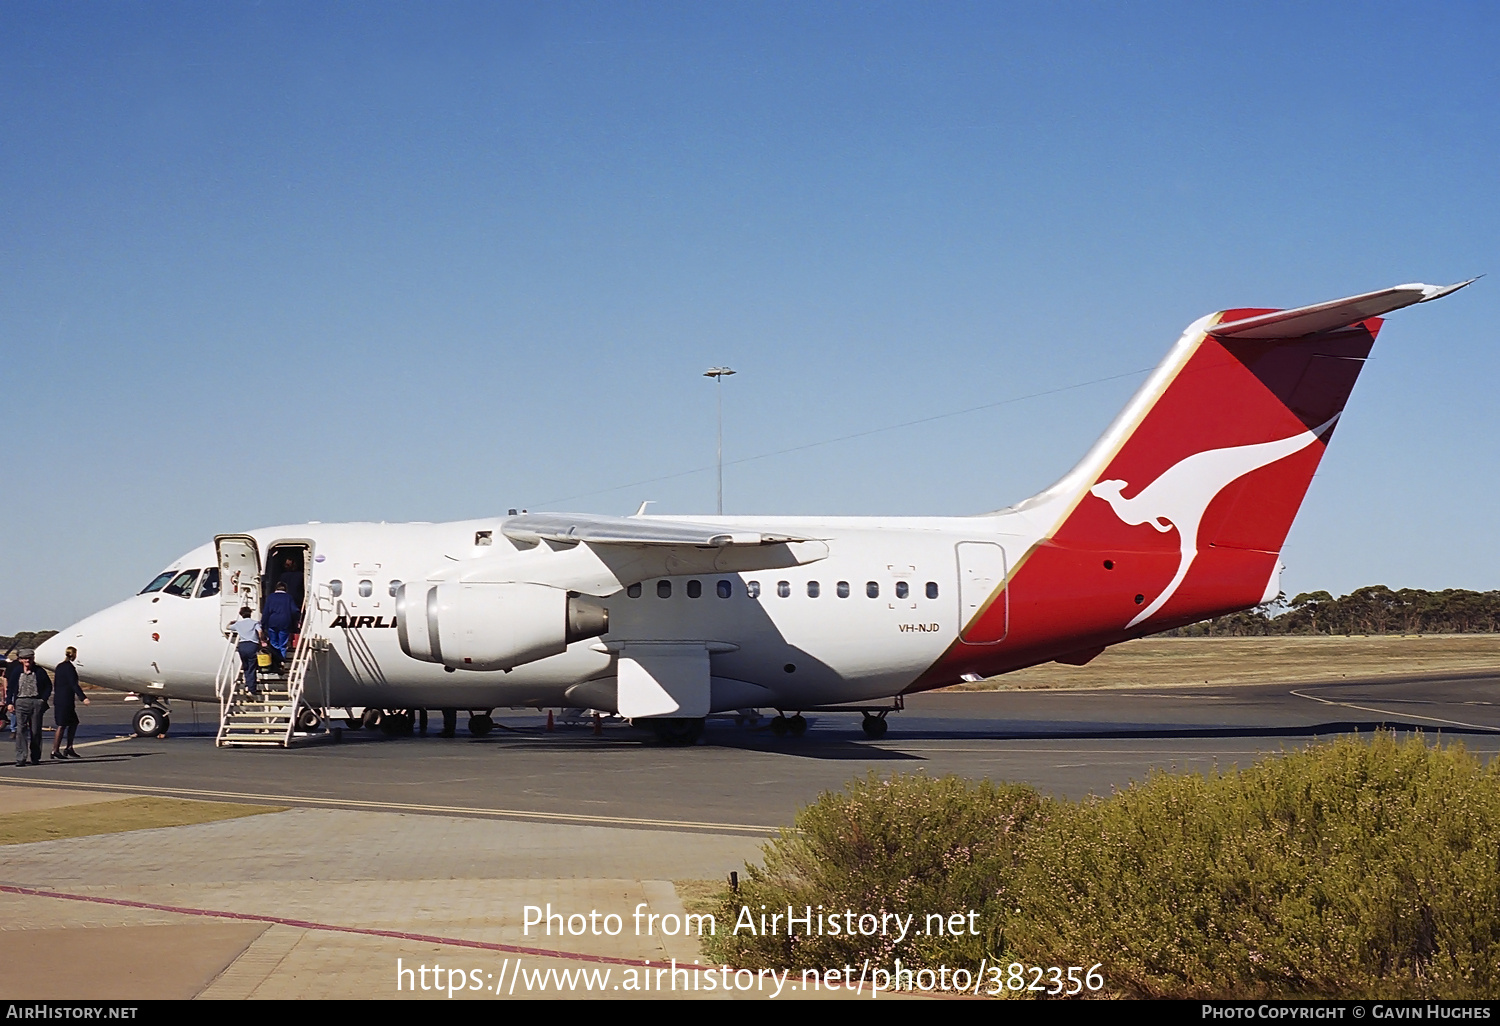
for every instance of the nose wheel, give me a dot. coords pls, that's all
(151, 721)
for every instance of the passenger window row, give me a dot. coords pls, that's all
(783, 589)
(366, 588)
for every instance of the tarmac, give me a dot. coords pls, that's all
(393, 856)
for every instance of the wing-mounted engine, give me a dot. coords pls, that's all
(493, 626)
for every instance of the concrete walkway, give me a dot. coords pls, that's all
(313, 903)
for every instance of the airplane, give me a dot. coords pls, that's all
(1176, 514)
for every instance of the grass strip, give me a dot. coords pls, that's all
(113, 817)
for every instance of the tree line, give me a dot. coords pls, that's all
(26, 639)
(1372, 610)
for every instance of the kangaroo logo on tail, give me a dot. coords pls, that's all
(1180, 496)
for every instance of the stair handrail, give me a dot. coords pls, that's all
(225, 680)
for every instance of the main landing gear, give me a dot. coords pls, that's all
(677, 731)
(795, 725)
(873, 721)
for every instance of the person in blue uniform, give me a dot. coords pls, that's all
(65, 691)
(279, 620)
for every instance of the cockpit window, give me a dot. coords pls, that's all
(159, 582)
(182, 584)
(210, 584)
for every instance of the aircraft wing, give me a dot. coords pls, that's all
(599, 555)
(604, 530)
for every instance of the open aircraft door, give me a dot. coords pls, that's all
(983, 599)
(239, 576)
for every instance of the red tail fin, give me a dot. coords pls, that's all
(1180, 510)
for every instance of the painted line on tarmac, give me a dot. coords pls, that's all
(108, 741)
(306, 924)
(1399, 715)
(572, 818)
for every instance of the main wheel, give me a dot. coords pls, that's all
(149, 722)
(371, 719)
(874, 727)
(481, 724)
(798, 725)
(307, 720)
(780, 725)
(677, 731)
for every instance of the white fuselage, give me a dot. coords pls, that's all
(786, 650)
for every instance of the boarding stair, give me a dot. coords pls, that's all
(269, 718)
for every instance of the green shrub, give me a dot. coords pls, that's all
(904, 844)
(1350, 869)
(1354, 868)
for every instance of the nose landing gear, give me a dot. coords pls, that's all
(151, 721)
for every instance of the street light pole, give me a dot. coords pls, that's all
(719, 374)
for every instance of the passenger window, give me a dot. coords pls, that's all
(182, 584)
(395, 587)
(210, 583)
(366, 589)
(902, 590)
(752, 589)
(872, 589)
(843, 589)
(634, 591)
(813, 589)
(663, 589)
(695, 589)
(783, 588)
(725, 589)
(932, 589)
(335, 588)
(159, 582)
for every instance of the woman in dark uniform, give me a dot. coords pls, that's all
(65, 689)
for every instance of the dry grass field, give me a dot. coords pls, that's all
(1164, 662)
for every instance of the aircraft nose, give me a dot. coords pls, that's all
(50, 652)
(105, 646)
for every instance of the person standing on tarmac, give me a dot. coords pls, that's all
(6, 663)
(27, 689)
(65, 689)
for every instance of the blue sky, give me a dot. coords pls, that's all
(266, 263)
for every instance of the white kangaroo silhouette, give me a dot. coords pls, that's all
(1180, 496)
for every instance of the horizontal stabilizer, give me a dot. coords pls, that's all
(595, 529)
(1331, 316)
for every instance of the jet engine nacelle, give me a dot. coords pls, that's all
(493, 626)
